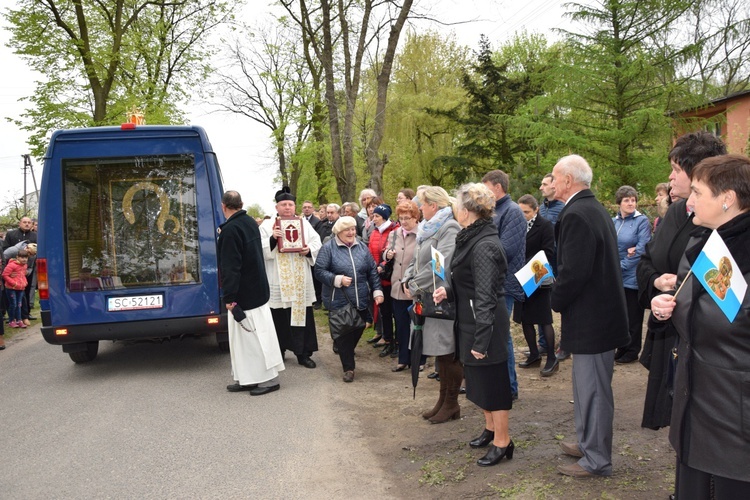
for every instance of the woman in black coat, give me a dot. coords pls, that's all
(536, 310)
(709, 428)
(478, 272)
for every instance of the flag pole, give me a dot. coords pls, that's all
(674, 297)
(434, 281)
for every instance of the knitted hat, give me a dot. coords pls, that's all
(383, 210)
(342, 223)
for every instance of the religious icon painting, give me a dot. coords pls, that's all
(292, 236)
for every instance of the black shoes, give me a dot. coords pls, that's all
(399, 368)
(306, 362)
(434, 375)
(236, 387)
(495, 454)
(388, 349)
(375, 339)
(531, 362)
(549, 371)
(483, 440)
(626, 359)
(259, 391)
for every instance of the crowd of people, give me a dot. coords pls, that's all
(372, 264)
(18, 277)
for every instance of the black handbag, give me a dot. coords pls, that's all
(344, 320)
(442, 310)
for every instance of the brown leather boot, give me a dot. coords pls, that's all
(441, 361)
(454, 373)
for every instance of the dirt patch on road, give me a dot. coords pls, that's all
(434, 461)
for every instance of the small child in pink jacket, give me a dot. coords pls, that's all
(14, 277)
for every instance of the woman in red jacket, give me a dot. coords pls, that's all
(379, 244)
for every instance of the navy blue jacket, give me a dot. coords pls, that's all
(356, 262)
(511, 228)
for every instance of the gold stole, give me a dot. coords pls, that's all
(292, 271)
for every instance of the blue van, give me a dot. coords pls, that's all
(127, 237)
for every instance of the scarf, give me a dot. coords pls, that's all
(530, 223)
(385, 225)
(427, 228)
(466, 234)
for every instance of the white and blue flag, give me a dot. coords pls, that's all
(536, 271)
(438, 263)
(720, 276)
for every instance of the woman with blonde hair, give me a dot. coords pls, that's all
(438, 229)
(476, 286)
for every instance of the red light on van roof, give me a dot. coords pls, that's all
(127, 126)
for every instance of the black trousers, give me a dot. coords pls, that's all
(693, 484)
(635, 324)
(301, 340)
(386, 314)
(346, 345)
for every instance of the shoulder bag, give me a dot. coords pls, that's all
(344, 320)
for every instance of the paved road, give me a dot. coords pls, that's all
(154, 421)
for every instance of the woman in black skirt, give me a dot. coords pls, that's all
(536, 310)
(476, 286)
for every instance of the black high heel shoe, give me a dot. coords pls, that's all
(549, 371)
(483, 440)
(496, 454)
(375, 339)
(531, 362)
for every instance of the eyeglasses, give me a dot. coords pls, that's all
(404, 219)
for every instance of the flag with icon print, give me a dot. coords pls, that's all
(534, 273)
(719, 274)
(438, 263)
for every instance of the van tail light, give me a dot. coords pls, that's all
(213, 320)
(42, 284)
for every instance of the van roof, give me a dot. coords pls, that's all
(134, 133)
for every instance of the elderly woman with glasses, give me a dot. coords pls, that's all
(401, 254)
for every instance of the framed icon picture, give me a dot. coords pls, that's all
(292, 236)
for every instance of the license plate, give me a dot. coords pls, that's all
(135, 302)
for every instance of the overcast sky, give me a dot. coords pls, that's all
(241, 145)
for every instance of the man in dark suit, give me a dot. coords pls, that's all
(308, 212)
(590, 298)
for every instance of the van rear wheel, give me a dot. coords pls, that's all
(87, 354)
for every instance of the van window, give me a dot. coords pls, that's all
(130, 222)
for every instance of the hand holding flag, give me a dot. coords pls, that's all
(534, 273)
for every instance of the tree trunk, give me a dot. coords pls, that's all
(376, 164)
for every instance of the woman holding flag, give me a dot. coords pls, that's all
(438, 229)
(536, 309)
(710, 429)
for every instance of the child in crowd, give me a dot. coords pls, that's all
(14, 278)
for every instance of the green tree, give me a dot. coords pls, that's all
(427, 74)
(613, 94)
(101, 58)
(497, 90)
